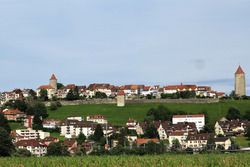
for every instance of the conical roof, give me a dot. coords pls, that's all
(239, 71)
(53, 77)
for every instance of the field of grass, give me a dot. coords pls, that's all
(224, 160)
(119, 116)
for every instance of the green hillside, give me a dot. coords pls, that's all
(119, 116)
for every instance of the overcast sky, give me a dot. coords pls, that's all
(123, 42)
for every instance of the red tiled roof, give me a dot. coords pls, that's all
(239, 71)
(53, 77)
(31, 142)
(177, 134)
(180, 87)
(45, 87)
(96, 117)
(120, 93)
(188, 116)
(140, 141)
(70, 86)
(12, 112)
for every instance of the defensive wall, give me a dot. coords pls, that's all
(137, 101)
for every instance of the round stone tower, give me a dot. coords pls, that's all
(240, 82)
(53, 82)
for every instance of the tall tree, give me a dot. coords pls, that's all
(6, 145)
(4, 123)
(151, 131)
(37, 123)
(60, 85)
(57, 149)
(38, 109)
(98, 134)
(233, 113)
(16, 104)
(44, 94)
(81, 138)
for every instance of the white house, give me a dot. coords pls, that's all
(197, 141)
(26, 134)
(100, 119)
(198, 119)
(180, 136)
(223, 141)
(72, 128)
(33, 146)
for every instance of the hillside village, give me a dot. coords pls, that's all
(55, 90)
(161, 131)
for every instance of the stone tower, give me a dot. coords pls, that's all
(240, 82)
(53, 82)
(120, 99)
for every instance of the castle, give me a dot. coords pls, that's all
(240, 82)
(51, 88)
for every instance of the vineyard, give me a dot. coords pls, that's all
(224, 160)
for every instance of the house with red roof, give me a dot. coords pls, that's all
(142, 141)
(35, 147)
(14, 115)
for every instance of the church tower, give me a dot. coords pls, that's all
(240, 82)
(53, 82)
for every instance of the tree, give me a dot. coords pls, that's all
(175, 145)
(233, 113)
(32, 93)
(38, 109)
(60, 85)
(4, 123)
(160, 113)
(72, 94)
(247, 115)
(53, 106)
(98, 134)
(248, 132)
(37, 123)
(16, 104)
(43, 94)
(210, 144)
(6, 145)
(57, 149)
(151, 131)
(100, 95)
(22, 153)
(81, 138)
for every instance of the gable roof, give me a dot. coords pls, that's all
(239, 71)
(32, 143)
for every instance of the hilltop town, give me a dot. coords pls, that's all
(168, 131)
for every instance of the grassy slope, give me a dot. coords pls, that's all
(203, 160)
(119, 116)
